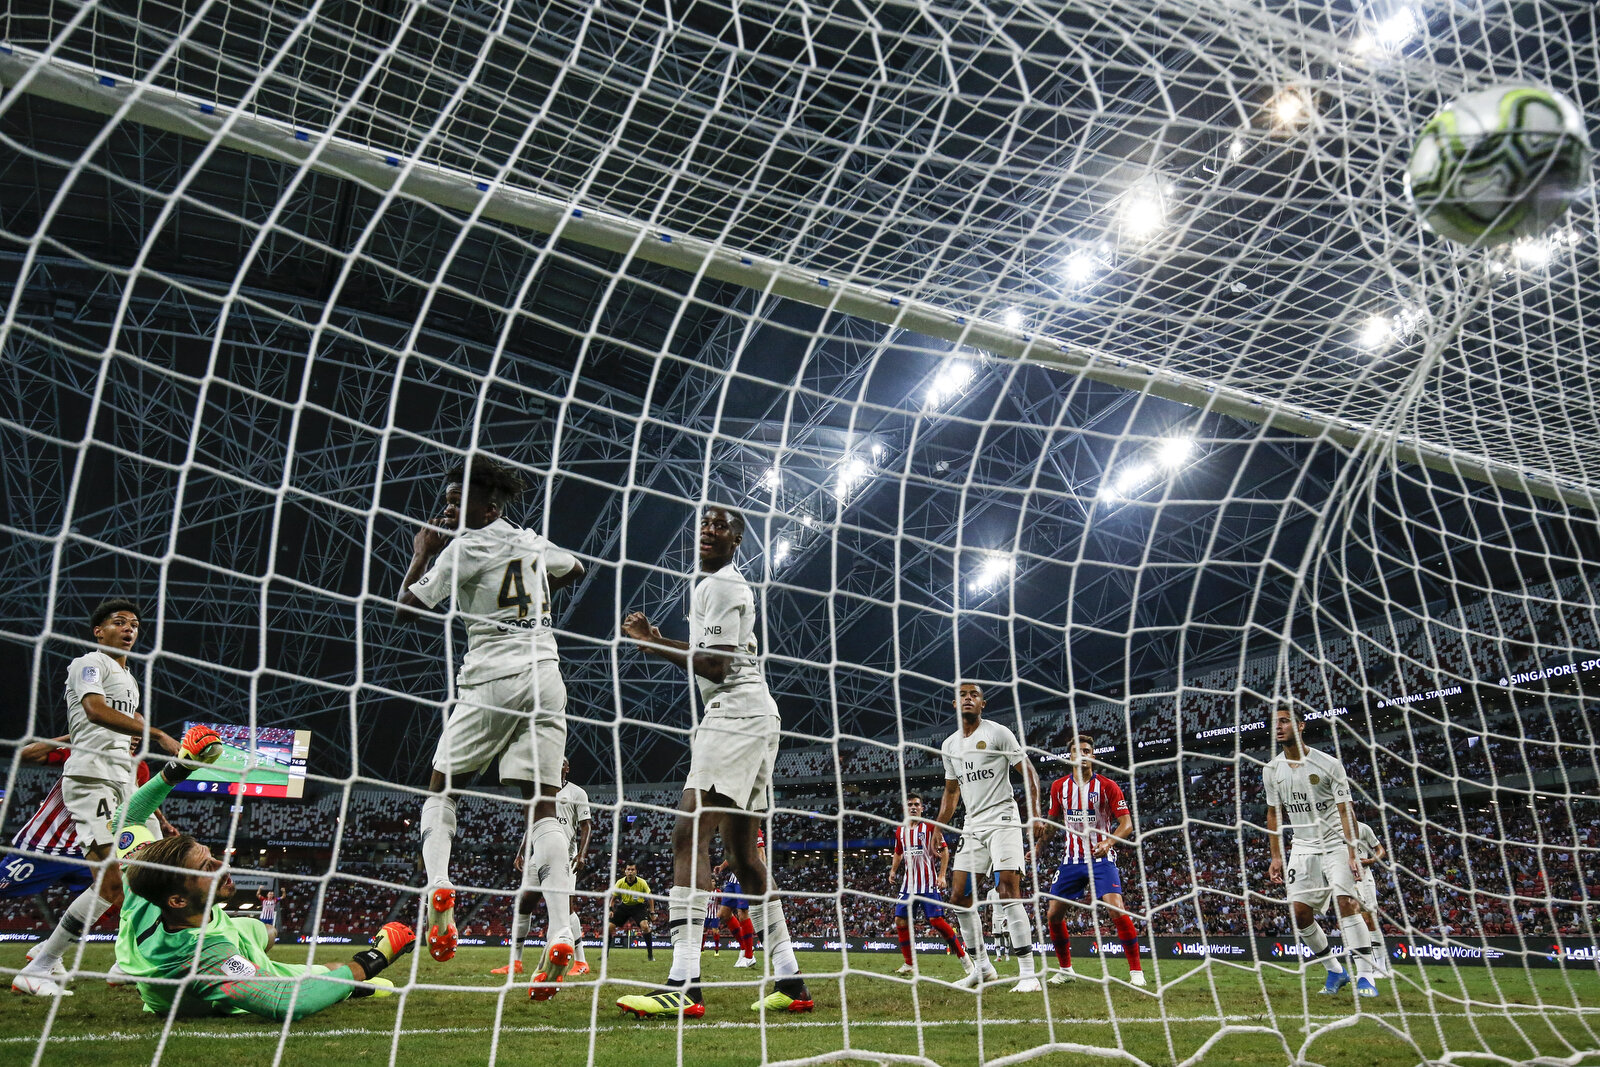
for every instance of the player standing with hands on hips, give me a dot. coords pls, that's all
(729, 789)
(1307, 792)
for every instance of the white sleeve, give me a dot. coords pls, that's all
(1009, 746)
(1368, 836)
(722, 606)
(952, 772)
(1269, 782)
(557, 561)
(435, 586)
(1340, 785)
(86, 675)
(580, 810)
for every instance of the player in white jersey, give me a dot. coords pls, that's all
(572, 812)
(1370, 851)
(102, 714)
(729, 788)
(978, 761)
(510, 702)
(1307, 792)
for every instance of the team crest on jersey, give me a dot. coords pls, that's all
(237, 967)
(1314, 779)
(983, 744)
(91, 674)
(124, 840)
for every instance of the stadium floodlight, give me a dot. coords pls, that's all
(1390, 34)
(1236, 147)
(1080, 268)
(1291, 108)
(772, 479)
(994, 567)
(1174, 451)
(852, 472)
(780, 551)
(1013, 318)
(1533, 253)
(1133, 477)
(1376, 333)
(951, 379)
(1143, 210)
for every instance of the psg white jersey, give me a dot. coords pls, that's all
(722, 611)
(981, 762)
(918, 845)
(1366, 842)
(1308, 793)
(572, 810)
(96, 751)
(500, 578)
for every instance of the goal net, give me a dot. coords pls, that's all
(1086, 351)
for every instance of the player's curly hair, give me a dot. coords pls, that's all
(107, 608)
(483, 472)
(735, 516)
(149, 872)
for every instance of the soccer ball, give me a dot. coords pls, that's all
(1498, 164)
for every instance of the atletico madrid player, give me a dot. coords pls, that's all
(922, 882)
(1095, 815)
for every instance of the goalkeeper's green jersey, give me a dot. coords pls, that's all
(221, 968)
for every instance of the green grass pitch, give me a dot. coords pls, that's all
(1507, 1012)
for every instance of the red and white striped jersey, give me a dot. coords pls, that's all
(919, 844)
(51, 831)
(1090, 810)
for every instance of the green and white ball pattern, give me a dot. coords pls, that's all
(1499, 164)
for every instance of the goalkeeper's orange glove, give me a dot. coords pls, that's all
(200, 744)
(392, 942)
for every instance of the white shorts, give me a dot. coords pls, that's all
(93, 804)
(988, 849)
(734, 756)
(1316, 877)
(1367, 891)
(520, 720)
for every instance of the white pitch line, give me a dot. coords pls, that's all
(363, 1031)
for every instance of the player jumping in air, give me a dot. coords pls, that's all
(572, 812)
(1308, 793)
(510, 702)
(733, 911)
(1095, 815)
(1370, 851)
(729, 789)
(920, 849)
(102, 714)
(175, 925)
(978, 760)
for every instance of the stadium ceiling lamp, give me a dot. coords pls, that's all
(1236, 147)
(1080, 268)
(1174, 451)
(994, 567)
(1291, 108)
(1143, 211)
(772, 479)
(952, 378)
(1013, 318)
(1376, 333)
(780, 551)
(1389, 34)
(852, 472)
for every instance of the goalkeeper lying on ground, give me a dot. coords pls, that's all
(213, 964)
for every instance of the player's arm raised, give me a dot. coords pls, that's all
(427, 544)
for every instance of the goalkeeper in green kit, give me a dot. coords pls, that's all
(176, 941)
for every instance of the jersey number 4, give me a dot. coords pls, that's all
(513, 594)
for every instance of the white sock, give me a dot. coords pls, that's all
(553, 872)
(686, 924)
(84, 911)
(438, 824)
(972, 933)
(1021, 931)
(1357, 942)
(1317, 941)
(519, 931)
(767, 917)
(1380, 951)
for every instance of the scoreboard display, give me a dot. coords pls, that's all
(267, 761)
